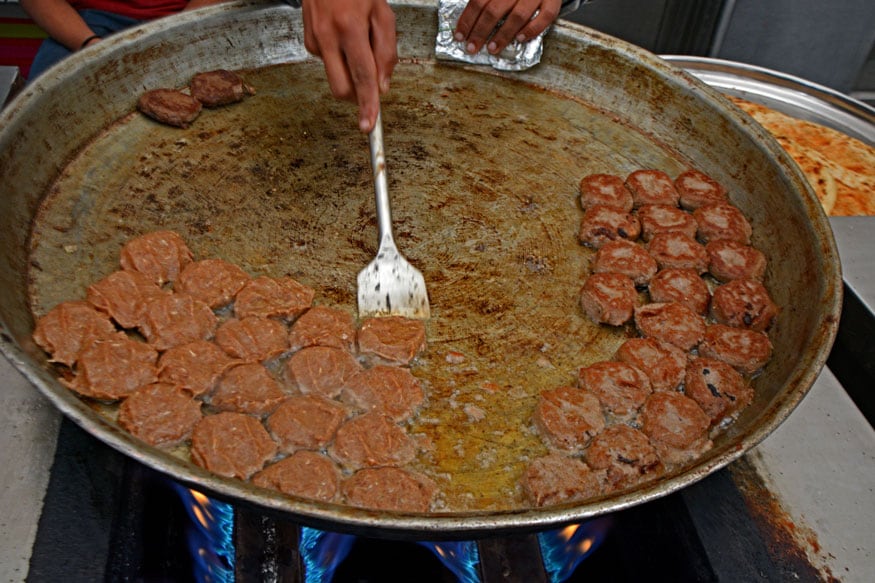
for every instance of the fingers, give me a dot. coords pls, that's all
(356, 40)
(385, 45)
(478, 20)
(477, 23)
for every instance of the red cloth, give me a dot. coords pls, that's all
(139, 9)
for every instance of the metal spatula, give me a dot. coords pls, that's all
(389, 285)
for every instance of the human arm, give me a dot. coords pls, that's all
(357, 44)
(195, 4)
(60, 21)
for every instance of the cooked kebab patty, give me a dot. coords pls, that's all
(662, 218)
(70, 327)
(389, 489)
(684, 286)
(663, 363)
(652, 187)
(307, 474)
(247, 388)
(219, 87)
(606, 190)
(254, 339)
(306, 422)
(170, 106)
(696, 189)
(601, 224)
(625, 258)
(160, 255)
(338, 398)
(160, 414)
(321, 370)
(609, 298)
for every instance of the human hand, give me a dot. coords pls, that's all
(356, 41)
(480, 17)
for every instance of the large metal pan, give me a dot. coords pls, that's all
(484, 178)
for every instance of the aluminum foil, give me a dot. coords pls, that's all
(516, 56)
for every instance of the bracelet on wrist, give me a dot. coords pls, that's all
(88, 40)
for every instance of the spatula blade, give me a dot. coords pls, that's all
(390, 285)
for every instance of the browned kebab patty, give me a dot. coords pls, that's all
(389, 489)
(160, 255)
(663, 218)
(306, 474)
(620, 387)
(746, 350)
(273, 297)
(601, 223)
(626, 454)
(170, 106)
(247, 388)
(719, 389)
(159, 414)
(609, 298)
(68, 328)
(676, 426)
(604, 189)
(391, 339)
(684, 286)
(649, 186)
(744, 303)
(323, 326)
(253, 338)
(722, 221)
(626, 258)
(321, 370)
(219, 87)
(306, 422)
(195, 366)
(695, 189)
(675, 250)
(568, 417)
(663, 363)
(234, 445)
(557, 478)
(124, 295)
(112, 369)
(670, 322)
(728, 260)
(389, 389)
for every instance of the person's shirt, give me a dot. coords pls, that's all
(137, 9)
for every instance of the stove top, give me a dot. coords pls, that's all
(800, 506)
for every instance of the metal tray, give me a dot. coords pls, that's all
(483, 193)
(788, 94)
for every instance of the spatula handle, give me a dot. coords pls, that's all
(381, 187)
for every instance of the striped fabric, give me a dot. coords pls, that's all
(19, 40)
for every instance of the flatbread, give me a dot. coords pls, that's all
(841, 169)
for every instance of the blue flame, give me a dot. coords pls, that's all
(210, 536)
(563, 549)
(460, 557)
(322, 552)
